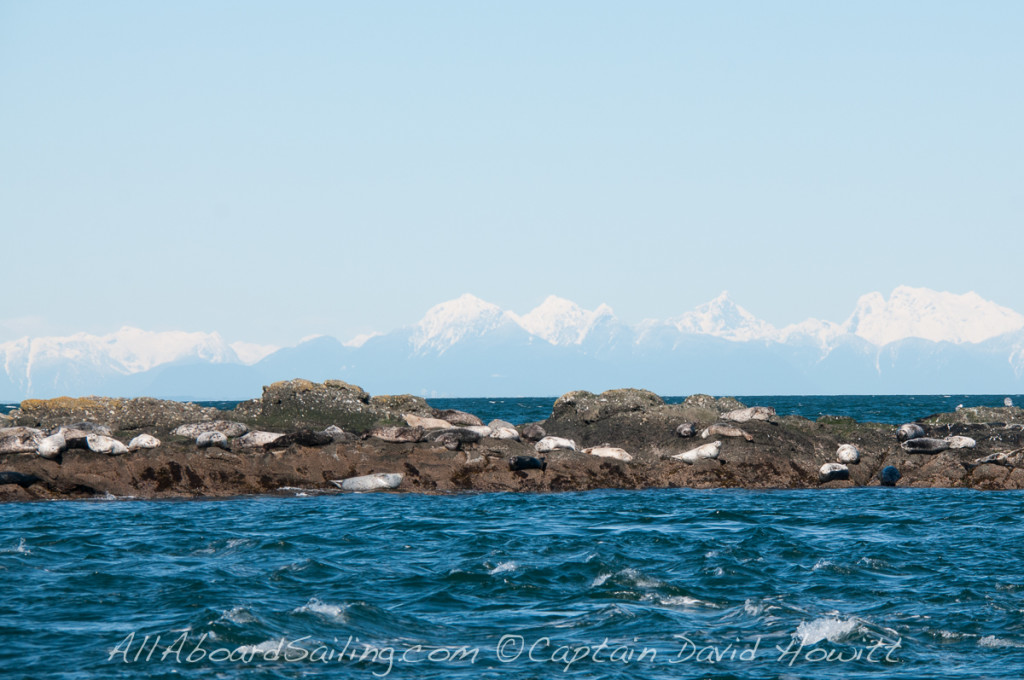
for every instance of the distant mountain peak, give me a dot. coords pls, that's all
(723, 318)
(562, 322)
(455, 320)
(931, 315)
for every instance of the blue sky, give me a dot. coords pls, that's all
(275, 170)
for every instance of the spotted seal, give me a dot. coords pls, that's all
(848, 453)
(143, 441)
(744, 415)
(909, 431)
(213, 438)
(606, 451)
(374, 482)
(706, 451)
(925, 445)
(548, 444)
(832, 471)
(723, 430)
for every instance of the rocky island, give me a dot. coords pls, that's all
(332, 437)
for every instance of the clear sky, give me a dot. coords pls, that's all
(271, 170)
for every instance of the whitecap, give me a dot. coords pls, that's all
(20, 548)
(993, 641)
(316, 606)
(502, 567)
(600, 580)
(828, 628)
(238, 615)
(753, 608)
(678, 601)
(261, 648)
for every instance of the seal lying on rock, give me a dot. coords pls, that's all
(337, 434)
(453, 439)
(99, 444)
(302, 438)
(257, 439)
(833, 471)
(19, 478)
(413, 420)
(994, 459)
(396, 435)
(51, 447)
(504, 433)
(686, 430)
(909, 431)
(925, 445)
(746, 414)
(374, 482)
(228, 428)
(213, 438)
(606, 451)
(724, 430)
(848, 453)
(456, 417)
(20, 439)
(958, 442)
(143, 441)
(549, 444)
(87, 427)
(706, 451)
(527, 463)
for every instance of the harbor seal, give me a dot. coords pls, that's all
(51, 447)
(456, 417)
(517, 463)
(686, 430)
(87, 427)
(606, 451)
(704, 452)
(98, 443)
(848, 453)
(413, 420)
(1007, 402)
(533, 432)
(214, 438)
(337, 434)
(302, 438)
(925, 445)
(143, 441)
(396, 435)
(453, 438)
(833, 471)
(20, 439)
(257, 439)
(549, 444)
(723, 430)
(994, 459)
(889, 476)
(504, 433)
(19, 478)
(374, 482)
(229, 428)
(909, 431)
(960, 442)
(744, 415)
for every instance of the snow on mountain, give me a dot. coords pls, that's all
(250, 352)
(931, 315)
(561, 321)
(361, 339)
(821, 333)
(456, 320)
(723, 318)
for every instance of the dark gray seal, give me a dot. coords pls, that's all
(19, 478)
(889, 476)
(527, 463)
(925, 445)
(909, 431)
(686, 430)
(302, 438)
(454, 438)
(456, 417)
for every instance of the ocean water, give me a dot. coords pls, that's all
(893, 409)
(857, 583)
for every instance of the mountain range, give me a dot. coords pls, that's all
(918, 341)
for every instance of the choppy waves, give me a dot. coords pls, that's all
(653, 584)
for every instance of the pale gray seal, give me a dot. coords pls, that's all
(374, 482)
(20, 439)
(213, 438)
(833, 471)
(51, 447)
(396, 435)
(504, 433)
(456, 417)
(606, 451)
(705, 451)
(549, 444)
(909, 431)
(994, 459)
(228, 428)
(100, 444)
(256, 439)
(959, 442)
(724, 430)
(848, 453)
(744, 415)
(413, 420)
(143, 441)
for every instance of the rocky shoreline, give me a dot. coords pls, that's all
(332, 437)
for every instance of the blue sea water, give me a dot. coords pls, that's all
(857, 583)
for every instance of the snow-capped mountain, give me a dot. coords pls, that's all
(923, 313)
(451, 322)
(723, 318)
(917, 340)
(563, 322)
